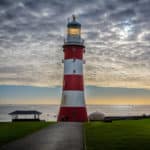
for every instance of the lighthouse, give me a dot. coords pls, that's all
(73, 107)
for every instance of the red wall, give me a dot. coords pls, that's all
(73, 82)
(73, 52)
(77, 114)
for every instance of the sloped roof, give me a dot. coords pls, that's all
(25, 112)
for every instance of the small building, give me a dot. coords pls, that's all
(96, 116)
(25, 115)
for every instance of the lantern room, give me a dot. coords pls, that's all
(74, 27)
(73, 31)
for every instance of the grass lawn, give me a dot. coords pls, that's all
(13, 130)
(118, 135)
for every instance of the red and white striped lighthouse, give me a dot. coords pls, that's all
(73, 106)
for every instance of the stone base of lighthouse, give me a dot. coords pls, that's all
(73, 114)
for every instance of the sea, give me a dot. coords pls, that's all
(50, 112)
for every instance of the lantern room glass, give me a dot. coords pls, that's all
(74, 31)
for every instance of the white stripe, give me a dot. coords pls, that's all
(73, 98)
(73, 66)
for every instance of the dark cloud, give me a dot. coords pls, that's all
(4, 3)
(129, 1)
(123, 15)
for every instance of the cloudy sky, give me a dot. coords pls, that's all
(117, 39)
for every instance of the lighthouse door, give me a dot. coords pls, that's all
(65, 118)
(74, 115)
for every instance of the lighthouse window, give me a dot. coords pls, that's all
(73, 31)
(74, 71)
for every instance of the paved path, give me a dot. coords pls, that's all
(60, 136)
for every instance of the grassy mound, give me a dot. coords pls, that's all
(118, 135)
(13, 130)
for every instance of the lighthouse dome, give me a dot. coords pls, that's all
(74, 23)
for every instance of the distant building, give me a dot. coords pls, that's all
(25, 115)
(96, 116)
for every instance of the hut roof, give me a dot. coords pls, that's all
(25, 112)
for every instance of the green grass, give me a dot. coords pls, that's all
(118, 135)
(13, 130)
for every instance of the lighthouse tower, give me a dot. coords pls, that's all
(73, 106)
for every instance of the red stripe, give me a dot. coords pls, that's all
(76, 114)
(73, 82)
(73, 52)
